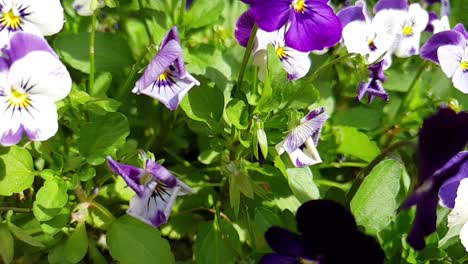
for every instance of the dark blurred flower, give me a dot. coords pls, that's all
(442, 139)
(328, 235)
(156, 189)
(374, 87)
(166, 79)
(311, 24)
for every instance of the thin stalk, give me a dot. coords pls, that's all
(247, 53)
(410, 95)
(182, 12)
(16, 209)
(148, 32)
(92, 44)
(345, 165)
(329, 64)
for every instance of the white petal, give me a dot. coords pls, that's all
(464, 236)
(449, 57)
(459, 214)
(40, 120)
(260, 59)
(280, 147)
(10, 124)
(45, 72)
(47, 15)
(262, 40)
(302, 158)
(419, 16)
(145, 206)
(460, 80)
(409, 46)
(296, 63)
(441, 24)
(355, 36)
(389, 21)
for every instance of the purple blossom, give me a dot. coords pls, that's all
(442, 164)
(166, 79)
(311, 24)
(327, 234)
(374, 87)
(156, 189)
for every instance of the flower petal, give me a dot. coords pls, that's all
(160, 173)
(21, 44)
(244, 27)
(273, 258)
(270, 15)
(450, 37)
(284, 242)
(129, 173)
(457, 167)
(419, 17)
(47, 15)
(351, 14)
(408, 46)
(355, 36)
(450, 57)
(173, 35)
(296, 63)
(459, 214)
(390, 4)
(11, 130)
(39, 120)
(460, 80)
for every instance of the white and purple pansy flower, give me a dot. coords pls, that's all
(294, 62)
(362, 35)
(449, 49)
(32, 79)
(155, 188)
(166, 78)
(42, 18)
(301, 142)
(85, 7)
(374, 87)
(405, 23)
(311, 24)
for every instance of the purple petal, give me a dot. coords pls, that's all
(276, 259)
(311, 126)
(450, 37)
(10, 138)
(350, 14)
(445, 8)
(284, 242)
(315, 29)
(129, 173)
(376, 71)
(270, 15)
(391, 4)
(432, 16)
(244, 27)
(461, 29)
(159, 218)
(179, 63)
(160, 173)
(457, 169)
(22, 43)
(431, 2)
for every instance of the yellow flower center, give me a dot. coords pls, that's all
(408, 30)
(10, 20)
(464, 66)
(306, 261)
(18, 99)
(164, 76)
(161, 188)
(281, 52)
(299, 6)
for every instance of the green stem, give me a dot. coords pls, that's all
(343, 186)
(16, 209)
(345, 164)
(247, 53)
(182, 12)
(329, 64)
(411, 91)
(148, 32)
(108, 215)
(92, 44)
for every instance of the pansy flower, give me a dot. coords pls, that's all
(442, 164)
(32, 79)
(84, 8)
(166, 79)
(42, 18)
(301, 142)
(458, 217)
(327, 234)
(294, 62)
(405, 23)
(449, 49)
(362, 35)
(374, 87)
(155, 188)
(311, 24)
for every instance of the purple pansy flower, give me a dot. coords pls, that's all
(440, 162)
(32, 80)
(458, 217)
(374, 87)
(166, 78)
(405, 23)
(449, 49)
(301, 143)
(328, 234)
(156, 189)
(294, 62)
(311, 24)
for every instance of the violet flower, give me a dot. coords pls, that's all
(155, 188)
(449, 49)
(374, 87)
(328, 234)
(301, 143)
(33, 79)
(442, 163)
(310, 24)
(166, 79)
(458, 217)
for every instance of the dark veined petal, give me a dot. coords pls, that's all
(160, 173)
(270, 15)
(311, 126)
(273, 258)
(179, 63)
(129, 173)
(391, 4)
(457, 169)
(449, 37)
(285, 242)
(350, 14)
(316, 28)
(244, 27)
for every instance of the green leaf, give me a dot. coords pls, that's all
(132, 241)
(16, 170)
(101, 85)
(76, 245)
(355, 143)
(264, 219)
(103, 136)
(50, 199)
(203, 13)
(7, 245)
(204, 104)
(237, 115)
(22, 235)
(74, 50)
(243, 183)
(56, 224)
(361, 117)
(301, 182)
(374, 205)
(217, 243)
